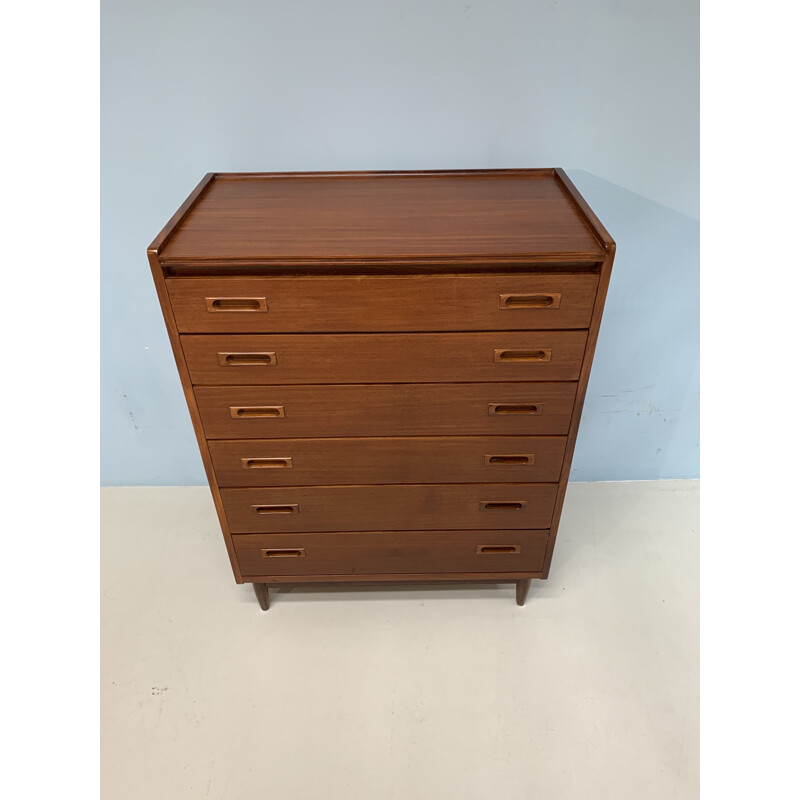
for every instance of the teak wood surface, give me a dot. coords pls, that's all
(392, 460)
(412, 317)
(412, 409)
(380, 216)
(380, 303)
(392, 552)
(384, 507)
(384, 357)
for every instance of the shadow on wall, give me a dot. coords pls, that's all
(641, 417)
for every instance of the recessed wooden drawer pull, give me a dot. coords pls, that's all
(523, 355)
(247, 359)
(238, 412)
(503, 505)
(509, 301)
(499, 409)
(267, 463)
(288, 508)
(236, 304)
(283, 552)
(516, 460)
(497, 549)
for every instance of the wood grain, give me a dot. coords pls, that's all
(435, 409)
(409, 552)
(186, 385)
(610, 248)
(374, 303)
(384, 358)
(380, 579)
(400, 507)
(392, 353)
(456, 459)
(580, 397)
(157, 245)
(329, 216)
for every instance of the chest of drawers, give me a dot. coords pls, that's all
(385, 371)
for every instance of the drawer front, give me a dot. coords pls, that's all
(280, 412)
(403, 507)
(458, 459)
(394, 552)
(385, 357)
(503, 301)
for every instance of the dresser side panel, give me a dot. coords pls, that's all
(186, 383)
(577, 409)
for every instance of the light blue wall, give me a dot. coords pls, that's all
(608, 89)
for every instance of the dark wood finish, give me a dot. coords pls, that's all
(418, 459)
(384, 357)
(430, 506)
(262, 594)
(374, 303)
(388, 552)
(386, 323)
(385, 410)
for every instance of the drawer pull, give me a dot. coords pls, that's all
(236, 304)
(238, 412)
(516, 460)
(289, 508)
(544, 354)
(267, 463)
(503, 505)
(510, 301)
(497, 549)
(500, 409)
(283, 552)
(247, 359)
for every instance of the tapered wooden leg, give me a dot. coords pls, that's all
(522, 591)
(262, 593)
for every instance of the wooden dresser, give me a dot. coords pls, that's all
(385, 371)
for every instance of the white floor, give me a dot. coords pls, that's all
(588, 692)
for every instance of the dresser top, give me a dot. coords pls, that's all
(510, 215)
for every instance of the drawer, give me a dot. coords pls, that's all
(404, 507)
(457, 459)
(433, 409)
(385, 357)
(392, 552)
(502, 301)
